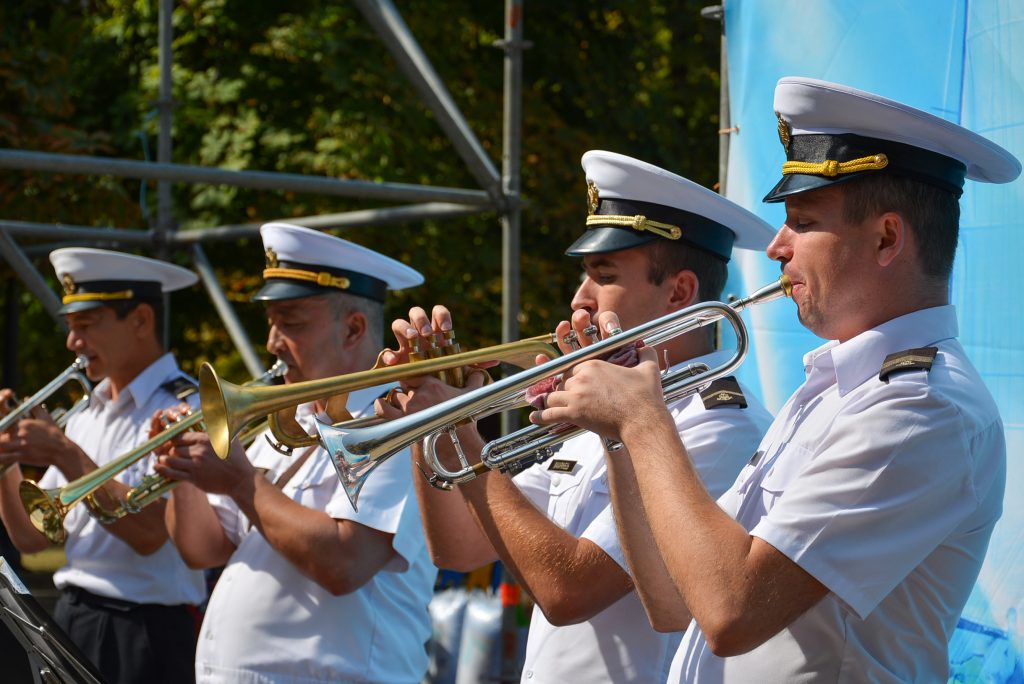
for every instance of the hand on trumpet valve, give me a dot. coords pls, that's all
(189, 457)
(598, 395)
(36, 440)
(165, 418)
(422, 337)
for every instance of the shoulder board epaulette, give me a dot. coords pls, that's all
(723, 392)
(908, 359)
(181, 386)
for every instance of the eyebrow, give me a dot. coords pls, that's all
(597, 262)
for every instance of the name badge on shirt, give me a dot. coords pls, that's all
(562, 465)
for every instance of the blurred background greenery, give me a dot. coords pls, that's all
(306, 87)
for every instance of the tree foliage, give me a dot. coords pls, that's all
(306, 87)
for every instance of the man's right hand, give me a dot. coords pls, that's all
(421, 391)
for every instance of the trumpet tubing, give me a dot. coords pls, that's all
(73, 373)
(48, 508)
(356, 452)
(229, 407)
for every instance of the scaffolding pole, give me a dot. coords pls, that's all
(398, 39)
(30, 276)
(258, 180)
(227, 314)
(349, 219)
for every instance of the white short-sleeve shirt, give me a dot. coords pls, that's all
(97, 560)
(618, 644)
(885, 492)
(267, 622)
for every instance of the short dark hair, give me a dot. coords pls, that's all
(343, 303)
(668, 257)
(125, 307)
(933, 214)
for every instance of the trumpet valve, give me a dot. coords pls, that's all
(453, 376)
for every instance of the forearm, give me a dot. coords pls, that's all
(323, 549)
(454, 539)
(23, 534)
(666, 610)
(717, 567)
(144, 531)
(195, 529)
(570, 579)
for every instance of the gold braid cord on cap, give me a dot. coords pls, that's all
(322, 279)
(97, 296)
(832, 168)
(640, 223)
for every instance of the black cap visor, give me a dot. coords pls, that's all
(903, 160)
(604, 239)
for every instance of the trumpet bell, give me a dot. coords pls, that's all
(44, 510)
(352, 468)
(215, 395)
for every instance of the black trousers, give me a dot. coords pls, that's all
(130, 642)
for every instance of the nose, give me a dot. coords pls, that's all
(585, 297)
(74, 341)
(781, 248)
(274, 341)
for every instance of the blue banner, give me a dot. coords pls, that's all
(961, 60)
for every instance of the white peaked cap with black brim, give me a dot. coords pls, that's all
(302, 262)
(632, 203)
(95, 277)
(833, 133)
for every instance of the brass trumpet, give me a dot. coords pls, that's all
(48, 508)
(355, 452)
(73, 373)
(228, 407)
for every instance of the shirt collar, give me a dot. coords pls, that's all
(150, 380)
(861, 357)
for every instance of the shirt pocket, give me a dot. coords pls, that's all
(784, 471)
(563, 495)
(313, 492)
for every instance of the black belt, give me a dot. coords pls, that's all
(77, 595)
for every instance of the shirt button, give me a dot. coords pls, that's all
(555, 481)
(529, 675)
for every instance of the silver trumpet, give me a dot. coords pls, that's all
(73, 373)
(355, 452)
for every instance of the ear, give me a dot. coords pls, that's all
(684, 290)
(143, 320)
(891, 236)
(357, 326)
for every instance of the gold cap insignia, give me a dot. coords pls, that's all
(593, 198)
(271, 256)
(785, 132)
(69, 284)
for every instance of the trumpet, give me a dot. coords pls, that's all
(73, 373)
(48, 508)
(228, 407)
(355, 452)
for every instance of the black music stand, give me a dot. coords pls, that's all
(53, 657)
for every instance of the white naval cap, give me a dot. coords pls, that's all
(631, 203)
(94, 277)
(833, 133)
(302, 262)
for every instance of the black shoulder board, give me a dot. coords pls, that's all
(908, 359)
(723, 392)
(181, 386)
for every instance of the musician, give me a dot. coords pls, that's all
(552, 526)
(125, 592)
(312, 589)
(849, 544)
